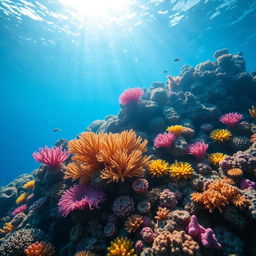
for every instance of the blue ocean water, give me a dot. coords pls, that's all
(63, 64)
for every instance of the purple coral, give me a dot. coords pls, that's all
(248, 184)
(168, 199)
(80, 197)
(19, 209)
(140, 185)
(51, 156)
(199, 233)
(164, 140)
(198, 149)
(123, 206)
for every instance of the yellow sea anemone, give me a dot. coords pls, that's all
(22, 198)
(252, 112)
(29, 185)
(181, 170)
(7, 228)
(220, 135)
(121, 246)
(176, 129)
(158, 168)
(215, 158)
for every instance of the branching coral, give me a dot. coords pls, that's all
(7, 228)
(133, 223)
(162, 213)
(219, 194)
(40, 249)
(176, 129)
(158, 168)
(121, 246)
(117, 156)
(181, 170)
(220, 135)
(216, 158)
(85, 253)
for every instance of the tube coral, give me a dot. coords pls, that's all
(130, 95)
(158, 168)
(164, 140)
(80, 197)
(116, 156)
(121, 246)
(220, 135)
(198, 149)
(133, 223)
(40, 249)
(51, 156)
(231, 119)
(180, 170)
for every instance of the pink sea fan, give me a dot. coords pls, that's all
(130, 95)
(81, 196)
(19, 209)
(231, 119)
(51, 156)
(164, 140)
(197, 149)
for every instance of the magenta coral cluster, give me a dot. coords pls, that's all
(80, 197)
(231, 119)
(164, 140)
(130, 95)
(51, 156)
(198, 149)
(201, 234)
(248, 184)
(19, 209)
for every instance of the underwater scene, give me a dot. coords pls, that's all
(128, 127)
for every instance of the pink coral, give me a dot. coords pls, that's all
(19, 209)
(51, 156)
(231, 119)
(81, 196)
(198, 149)
(164, 140)
(130, 95)
(140, 185)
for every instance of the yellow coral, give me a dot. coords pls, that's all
(176, 129)
(235, 172)
(29, 185)
(158, 168)
(216, 158)
(252, 112)
(181, 170)
(7, 228)
(40, 249)
(121, 246)
(116, 156)
(22, 198)
(220, 135)
(133, 223)
(219, 194)
(85, 253)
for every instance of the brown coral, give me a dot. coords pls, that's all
(40, 249)
(116, 156)
(162, 213)
(133, 223)
(218, 194)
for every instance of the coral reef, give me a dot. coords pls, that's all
(40, 249)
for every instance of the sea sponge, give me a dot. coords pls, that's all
(181, 170)
(216, 158)
(85, 253)
(252, 112)
(121, 246)
(234, 172)
(130, 95)
(147, 234)
(158, 168)
(218, 194)
(29, 185)
(7, 228)
(133, 223)
(220, 135)
(164, 140)
(176, 129)
(40, 249)
(162, 213)
(115, 156)
(21, 198)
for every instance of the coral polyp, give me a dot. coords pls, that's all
(220, 135)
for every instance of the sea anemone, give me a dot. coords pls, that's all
(176, 129)
(80, 197)
(164, 140)
(158, 168)
(130, 95)
(85, 253)
(29, 185)
(252, 112)
(216, 158)
(21, 198)
(19, 209)
(234, 172)
(121, 246)
(133, 223)
(181, 170)
(231, 119)
(40, 249)
(51, 156)
(220, 135)
(198, 149)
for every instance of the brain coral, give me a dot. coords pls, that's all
(40, 249)
(220, 135)
(121, 246)
(180, 170)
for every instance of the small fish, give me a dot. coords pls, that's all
(56, 130)
(177, 59)
(165, 71)
(83, 74)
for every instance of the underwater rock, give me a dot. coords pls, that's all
(8, 196)
(159, 95)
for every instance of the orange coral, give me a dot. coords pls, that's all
(162, 213)
(117, 156)
(235, 172)
(85, 253)
(7, 228)
(253, 138)
(219, 194)
(252, 112)
(133, 223)
(40, 249)
(121, 246)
